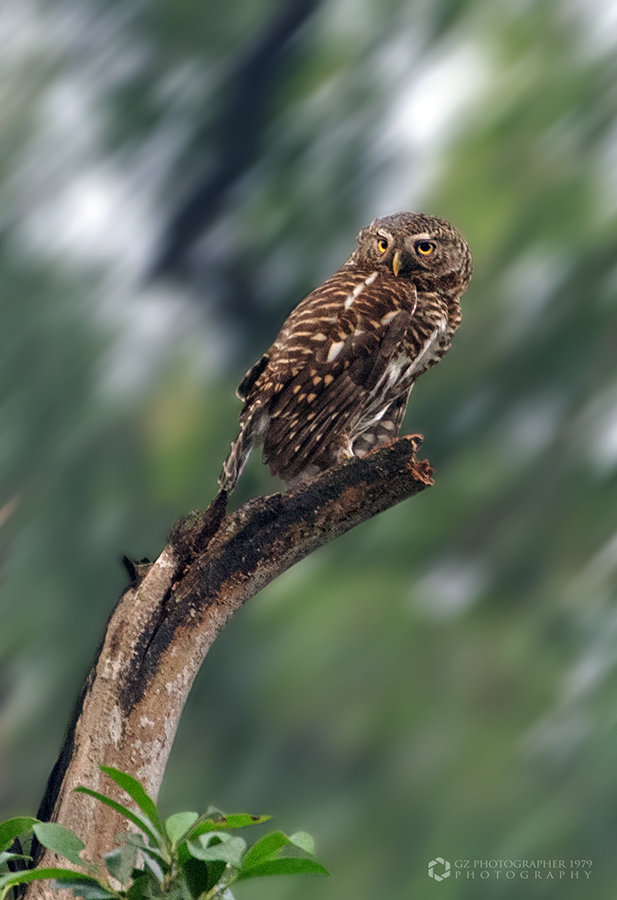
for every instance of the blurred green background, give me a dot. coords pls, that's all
(174, 177)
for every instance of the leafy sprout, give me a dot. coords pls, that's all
(184, 857)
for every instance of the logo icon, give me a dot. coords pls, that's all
(439, 869)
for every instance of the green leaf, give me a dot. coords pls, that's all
(196, 874)
(153, 859)
(42, 874)
(142, 822)
(267, 847)
(215, 821)
(121, 862)
(200, 877)
(5, 856)
(229, 849)
(12, 828)
(304, 840)
(87, 890)
(143, 887)
(136, 791)
(216, 870)
(89, 792)
(182, 853)
(139, 841)
(157, 869)
(178, 825)
(60, 840)
(286, 866)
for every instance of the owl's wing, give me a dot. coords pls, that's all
(386, 429)
(324, 367)
(248, 382)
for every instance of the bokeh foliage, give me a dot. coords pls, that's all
(441, 681)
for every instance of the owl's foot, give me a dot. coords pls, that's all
(416, 440)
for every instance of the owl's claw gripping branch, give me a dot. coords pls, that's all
(415, 439)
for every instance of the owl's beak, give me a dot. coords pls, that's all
(396, 262)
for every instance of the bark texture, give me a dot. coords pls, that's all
(163, 625)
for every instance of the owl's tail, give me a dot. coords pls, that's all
(238, 455)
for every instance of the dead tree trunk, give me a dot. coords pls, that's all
(163, 625)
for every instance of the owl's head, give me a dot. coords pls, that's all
(426, 249)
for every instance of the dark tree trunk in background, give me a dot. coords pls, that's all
(236, 134)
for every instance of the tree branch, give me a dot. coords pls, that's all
(163, 625)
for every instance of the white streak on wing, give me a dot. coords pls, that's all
(404, 367)
(368, 423)
(428, 348)
(389, 316)
(335, 349)
(359, 288)
(355, 293)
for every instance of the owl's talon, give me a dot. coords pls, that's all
(415, 439)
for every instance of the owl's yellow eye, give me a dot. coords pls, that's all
(382, 245)
(425, 248)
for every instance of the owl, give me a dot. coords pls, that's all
(336, 381)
